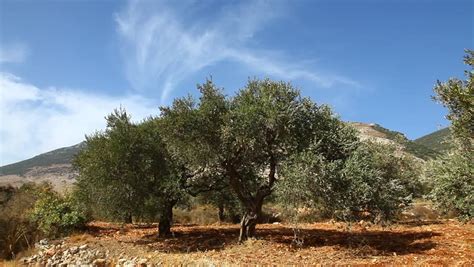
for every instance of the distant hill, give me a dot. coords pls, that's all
(435, 140)
(63, 155)
(383, 135)
(54, 167)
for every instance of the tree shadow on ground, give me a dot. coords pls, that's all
(416, 223)
(368, 243)
(192, 239)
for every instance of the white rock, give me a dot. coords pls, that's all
(73, 250)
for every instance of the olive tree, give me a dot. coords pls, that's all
(370, 181)
(452, 175)
(125, 172)
(243, 139)
(458, 97)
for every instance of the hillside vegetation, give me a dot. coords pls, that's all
(436, 141)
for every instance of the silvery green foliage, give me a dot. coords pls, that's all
(370, 181)
(243, 139)
(125, 172)
(452, 175)
(458, 97)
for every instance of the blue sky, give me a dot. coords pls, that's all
(65, 64)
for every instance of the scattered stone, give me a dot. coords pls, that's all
(99, 263)
(83, 255)
(142, 263)
(73, 250)
(50, 252)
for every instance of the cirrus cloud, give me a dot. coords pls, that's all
(163, 44)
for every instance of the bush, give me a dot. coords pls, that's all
(17, 231)
(381, 181)
(56, 215)
(452, 178)
(373, 182)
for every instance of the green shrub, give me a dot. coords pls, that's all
(452, 178)
(56, 215)
(381, 181)
(373, 182)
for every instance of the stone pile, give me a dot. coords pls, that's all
(61, 255)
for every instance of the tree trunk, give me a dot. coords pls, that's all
(220, 214)
(166, 219)
(249, 222)
(128, 218)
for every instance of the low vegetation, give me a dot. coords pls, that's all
(32, 212)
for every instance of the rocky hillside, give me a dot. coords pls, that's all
(54, 166)
(380, 134)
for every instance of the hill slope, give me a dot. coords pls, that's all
(383, 135)
(54, 167)
(435, 140)
(63, 155)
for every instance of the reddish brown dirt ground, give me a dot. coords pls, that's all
(411, 243)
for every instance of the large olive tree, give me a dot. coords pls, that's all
(243, 139)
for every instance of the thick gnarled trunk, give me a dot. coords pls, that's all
(247, 226)
(252, 202)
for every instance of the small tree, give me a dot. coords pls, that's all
(452, 177)
(108, 166)
(458, 97)
(125, 172)
(371, 181)
(453, 174)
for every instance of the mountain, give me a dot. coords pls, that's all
(380, 134)
(54, 166)
(58, 156)
(436, 140)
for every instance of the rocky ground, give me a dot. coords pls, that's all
(60, 253)
(445, 243)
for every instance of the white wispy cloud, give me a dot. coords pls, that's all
(13, 52)
(163, 44)
(34, 120)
